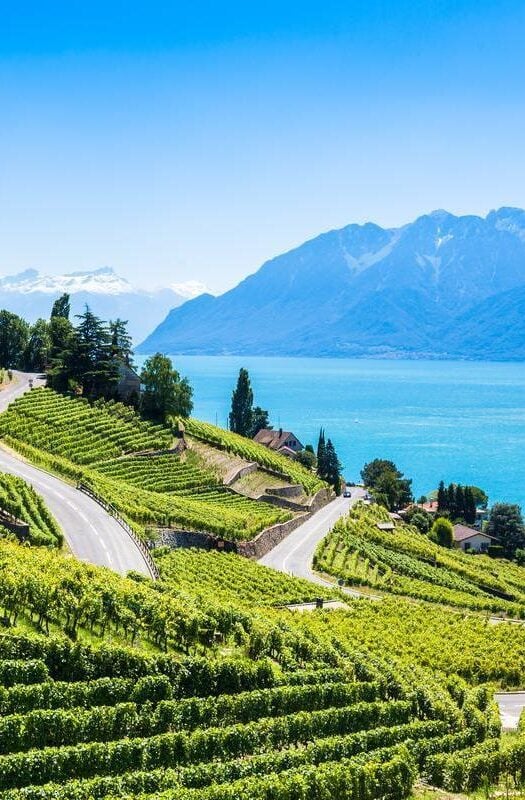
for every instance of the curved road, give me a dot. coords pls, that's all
(295, 553)
(92, 534)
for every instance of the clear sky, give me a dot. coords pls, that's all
(192, 141)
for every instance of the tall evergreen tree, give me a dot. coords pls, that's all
(321, 454)
(470, 506)
(121, 342)
(442, 499)
(460, 502)
(91, 361)
(451, 500)
(241, 414)
(333, 467)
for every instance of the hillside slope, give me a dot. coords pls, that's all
(199, 688)
(365, 290)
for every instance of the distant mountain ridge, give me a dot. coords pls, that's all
(443, 286)
(31, 294)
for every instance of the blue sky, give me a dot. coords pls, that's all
(193, 141)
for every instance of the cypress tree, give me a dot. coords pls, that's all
(321, 454)
(470, 506)
(333, 467)
(241, 414)
(451, 500)
(460, 501)
(442, 499)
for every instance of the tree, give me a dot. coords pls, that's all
(506, 524)
(165, 392)
(306, 458)
(442, 499)
(38, 347)
(332, 473)
(321, 453)
(388, 485)
(120, 341)
(419, 517)
(442, 532)
(241, 414)
(14, 335)
(91, 361)
(460, 502)
(451, 500)
(260, 420)
(61, 307)
(470, 506)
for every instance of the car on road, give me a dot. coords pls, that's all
(347, 492)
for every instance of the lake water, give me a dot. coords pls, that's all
(457, 421)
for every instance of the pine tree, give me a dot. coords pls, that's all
(91, 363)
(121, 342)
(241, 414)
(442, 499)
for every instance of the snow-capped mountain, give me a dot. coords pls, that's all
(31, 295)
(441, 286)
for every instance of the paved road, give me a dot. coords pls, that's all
(294, 554)
(91, 533)
(511, 704)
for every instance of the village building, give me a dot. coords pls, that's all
(284, 442)
(476, 541)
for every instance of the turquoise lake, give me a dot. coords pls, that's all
(456, 421)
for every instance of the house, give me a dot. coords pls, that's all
(470, 539)
(284, 442)
(128, 386)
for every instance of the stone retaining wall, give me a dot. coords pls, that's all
(240, 473)
(175, 538)
(257, 547)
(269, 538)
(296, 490)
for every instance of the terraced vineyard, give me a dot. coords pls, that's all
(196, 689)
(251, 451)
(232, 580)
(76, 430)
(406, 562)
(163, 473)
(97, 445)
(20, 502)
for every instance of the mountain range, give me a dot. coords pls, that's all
(31, 295)
(443, 286)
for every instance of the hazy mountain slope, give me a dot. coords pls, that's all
(31, 295)
(365, 290)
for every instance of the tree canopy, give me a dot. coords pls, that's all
(506, 524)
(165, 392)
(388, 485)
